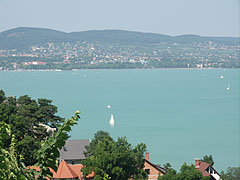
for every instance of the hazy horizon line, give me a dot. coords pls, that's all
(116, 30)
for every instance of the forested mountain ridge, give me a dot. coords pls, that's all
(24, 37)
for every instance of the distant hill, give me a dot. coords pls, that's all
(24, 37)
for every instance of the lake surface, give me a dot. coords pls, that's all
(180, 114)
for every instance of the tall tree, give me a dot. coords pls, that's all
(98, 137)
(114, 159)
(28, 120)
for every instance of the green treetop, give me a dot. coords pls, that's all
(187, 172)
(28, 120)
(114, 159)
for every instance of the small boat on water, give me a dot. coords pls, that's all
(228, 88)
(221, 76)
(111, 122)
(108, 106)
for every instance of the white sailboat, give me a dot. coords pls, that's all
(228, 88)
(221, 76)
(108, 106)
(111, 122)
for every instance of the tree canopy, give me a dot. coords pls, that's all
(25, 138)
(28, 119)
(11, 162)
(114, 159)
(233, 173)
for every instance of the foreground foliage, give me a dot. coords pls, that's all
(27, 119)
(12, 168)
(13, 164)
(111, 159)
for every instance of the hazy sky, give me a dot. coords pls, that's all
(171, 17)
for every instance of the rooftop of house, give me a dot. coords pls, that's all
(203, 167)
(159, 168)
(74, 149)
(65, 171)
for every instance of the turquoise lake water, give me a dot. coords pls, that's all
(180, 114)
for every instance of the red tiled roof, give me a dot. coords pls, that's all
(203, 166)
(77, 169)
(70, 171)
(65, 171)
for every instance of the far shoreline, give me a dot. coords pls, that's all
(60, 70)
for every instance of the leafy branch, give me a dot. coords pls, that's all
(12, 168)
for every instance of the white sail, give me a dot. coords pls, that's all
(111, 122)
(221, 76)
(228, 88)
(108, 106)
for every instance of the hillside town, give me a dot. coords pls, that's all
(83, 54)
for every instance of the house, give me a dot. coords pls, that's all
(66, 171)
(151, 169)
(73, 151)
(207, 169)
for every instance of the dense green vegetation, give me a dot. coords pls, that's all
(11, 162)
(16, 145)
(27, 119)
(115, 159)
